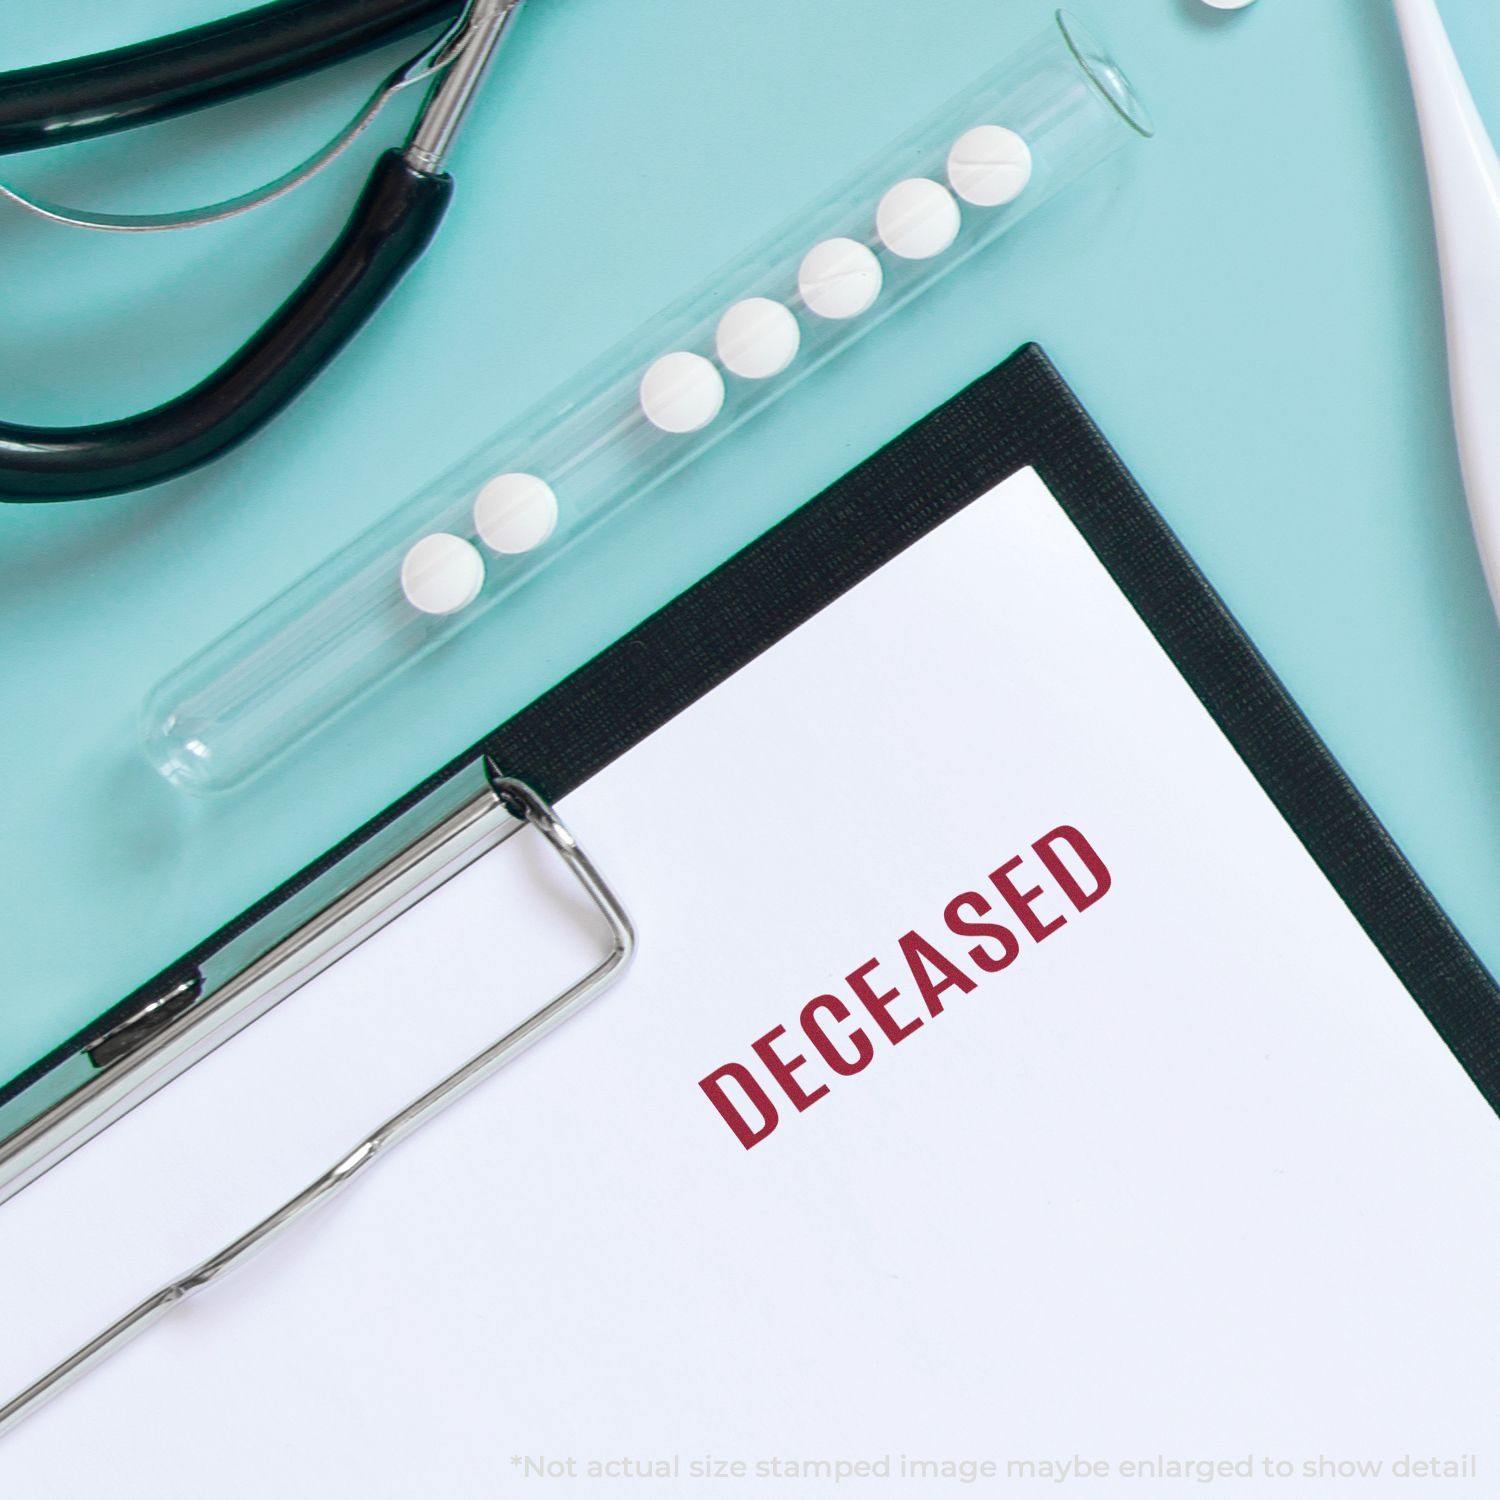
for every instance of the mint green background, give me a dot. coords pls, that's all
(1248, 306)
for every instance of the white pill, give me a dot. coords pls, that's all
(442, 573)
(839, 278)
(757, 338)
(1228, 4)
(917, 219)
(989, 165)
(515, 512)
(682, 392)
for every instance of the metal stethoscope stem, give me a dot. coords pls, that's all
(483, 29)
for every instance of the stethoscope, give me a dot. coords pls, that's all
(392, 222)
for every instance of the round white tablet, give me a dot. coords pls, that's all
(757, 338)
(1228, 4)
(682, 392)
(441, 573)
(989, 165)
(917, 219)
(839, 278)
(515, 512)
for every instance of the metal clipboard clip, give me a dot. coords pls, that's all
(479, 823)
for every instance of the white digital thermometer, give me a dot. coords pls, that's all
(1464, 173)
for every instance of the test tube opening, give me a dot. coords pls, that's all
(1105, 74)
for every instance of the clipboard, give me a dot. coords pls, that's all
(1020, 415)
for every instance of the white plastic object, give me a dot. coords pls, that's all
(441, 574)
(757, 338)
(348, 629)
(917, 219)
(514, 513)
(839, 278)
(1464, 174)
(989, 165)
(681, 392)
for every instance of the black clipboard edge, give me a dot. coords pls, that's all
(1021, 414)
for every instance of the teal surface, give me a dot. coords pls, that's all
(1248, 305)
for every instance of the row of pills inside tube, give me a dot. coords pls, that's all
(757, 338)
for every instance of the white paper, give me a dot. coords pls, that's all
(1192, 1178)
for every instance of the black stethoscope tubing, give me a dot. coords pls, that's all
(58, 103)
(392, 222)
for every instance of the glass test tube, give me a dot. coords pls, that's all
(443, 559)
